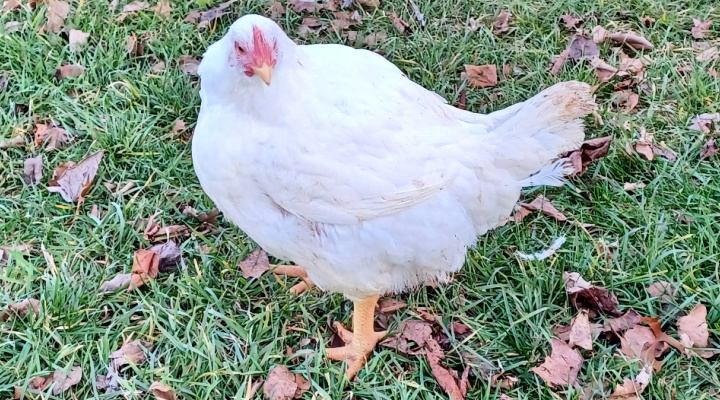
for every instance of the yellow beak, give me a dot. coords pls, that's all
(264, 72)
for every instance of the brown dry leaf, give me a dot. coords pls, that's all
(254, 264)
(281, 384)
(169, 253)
(207, 17)
(163, 10)
(700, 28)
(580, 331)
(309, 25)
(633, 186)
(622, 323)
(74, 182)
(584, 295)
(309, 6)
(571, 22)
(277, 10)
(636, 340)
(158, 68)
(131, 353)
(13, 26)
(6, 249)
(480, 76)
(162, 392)
(603, 70)
(36, 385)
(561, 367)
(709, 54)
(693, 330)
(146, 265)
(56, 13)
(710, 148)
(10, 5)
(559, 62)
(188, 64)
(20, 309)
(647, 21)
(387, 305)
(454, 386)
(631, 39)
(118, 282)
(660, 336)
(630, 389)
(53, 136)
(178, 127)
(64, 381)
(209, 217)
(501, 23)
(77, 39)
(647, 147)
(33, 170)
(134, 46)
(418, 332)
(153, 232)
(540, 203)
(136, 6)
(69, 71)
(664, 290)
(627, 99)
(582, 47)
(15, 141)
(705, 123)
(399, 23)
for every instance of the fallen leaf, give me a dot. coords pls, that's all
(135, 6)
(56, 13)
(420, 17)
(301, 6)
(308, 26)
(20, 309)
(163, 10)
(693, 330)
(281, 384)
(683, 218)
(705, 123)
(664, 290)
(454, 386)
(64, 381)
(480, 76)
(178, 127)
(153, 232)
(627, 99)
(558, 62)
(53, 136)
(36, 384)
(571, 22)
(15, 141)
(133, 46)
(636, 340)
(660, 336)
(622, 323)
(700, 28)
(584, 295)
(75, 181)
(647, 147)
(603, 70)
(188, 64)
(561, 367)
(630, 389)
(544, 205)
(580, 332)
(159, 67)
(77, 39)
(10, 5)
(709, 54)
(387, 305)
(13, 26)
(162, 392)
(710, 148)
(6, 249)
(69, 71)
(146, 265)
(33, 170)
(207, 17)
(631, 187)
(209, 217)
(401, 25)
(501, 23)
(631, 39)
(254, 264)
(169, 253)
(118, 282)
(418, 332)
(277, 10)
(582, 47)
(647, 21)
(131, 353)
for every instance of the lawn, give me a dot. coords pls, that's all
(216, 333)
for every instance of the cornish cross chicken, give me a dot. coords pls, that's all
(330, 157)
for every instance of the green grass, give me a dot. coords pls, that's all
(215, 332)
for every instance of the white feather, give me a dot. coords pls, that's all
(541, 255)
(550, 175)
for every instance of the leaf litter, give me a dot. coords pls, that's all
(281, 384)
(480, 76)
(73, 181)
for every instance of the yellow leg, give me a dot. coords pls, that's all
(294, 271)
(360, 343)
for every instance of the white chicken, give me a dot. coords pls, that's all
(329, 157)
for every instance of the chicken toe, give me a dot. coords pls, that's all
(294, 271)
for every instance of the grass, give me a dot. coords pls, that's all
(216, 332)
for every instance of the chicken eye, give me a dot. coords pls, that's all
(239, 49)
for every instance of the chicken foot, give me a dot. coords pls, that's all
(360, 343)
(294, 271)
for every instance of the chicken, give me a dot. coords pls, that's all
(330, 157)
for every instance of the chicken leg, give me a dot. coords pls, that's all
(360, 343)
(294, 271)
